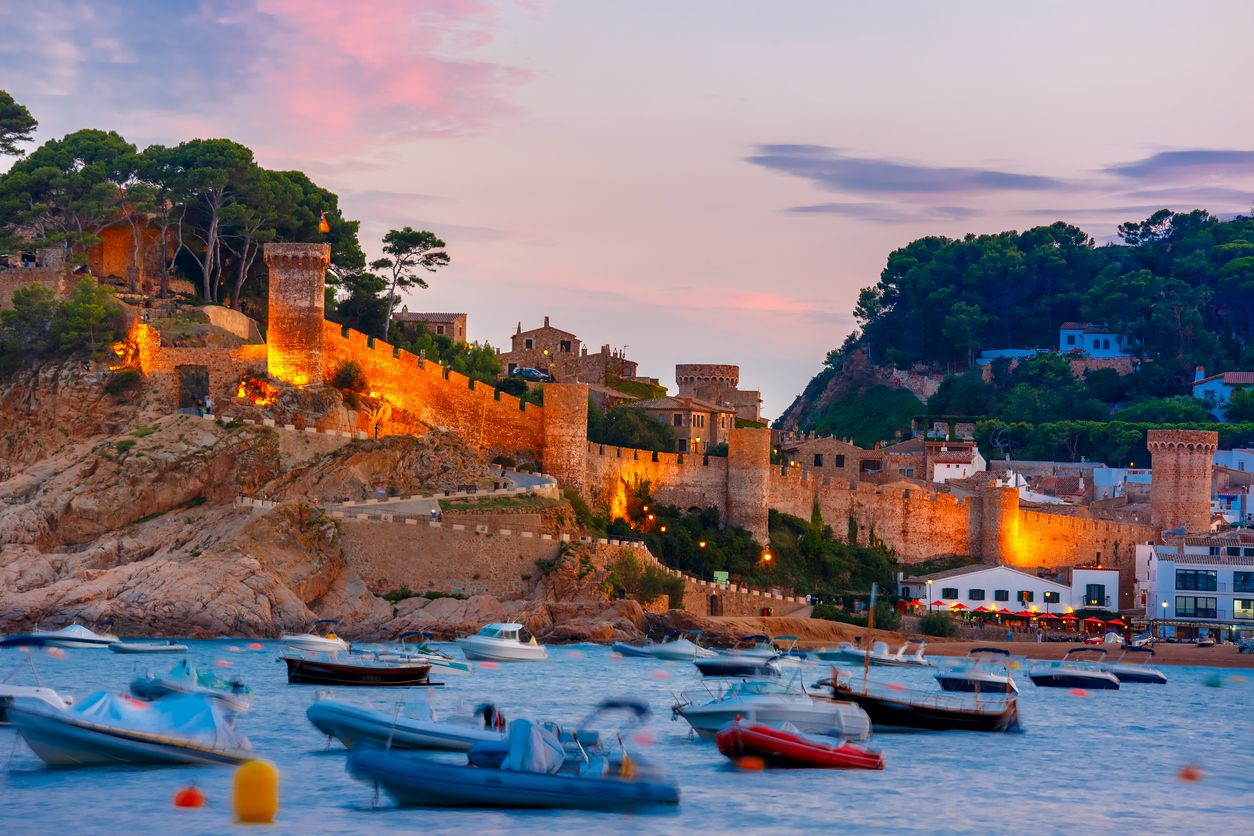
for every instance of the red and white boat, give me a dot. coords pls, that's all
(786, 746)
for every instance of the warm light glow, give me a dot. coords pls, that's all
(258, 391)
(663, 529)
(767, 557)
(650, 518)
(701, 545)
(646, 509)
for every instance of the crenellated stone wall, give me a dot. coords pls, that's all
(1182, 462)
(295, 323)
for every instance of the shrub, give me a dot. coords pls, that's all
(645, 582)
(938, 624)
(124, 445)
(123, 381)
(349, 377)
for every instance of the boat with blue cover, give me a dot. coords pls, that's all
(412, 727)
(535, 773)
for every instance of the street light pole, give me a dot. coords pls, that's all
(929, 594)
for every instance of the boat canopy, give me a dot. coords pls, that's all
(532, 748)
(785, 638)
(325, 621)
(190, 717)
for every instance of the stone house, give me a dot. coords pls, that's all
(697, 424)
(562, 355)
(830, 456)
(451, 325)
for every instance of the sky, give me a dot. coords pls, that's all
(699, 181)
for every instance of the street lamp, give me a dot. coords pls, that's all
(1164, 626)
(929, 594)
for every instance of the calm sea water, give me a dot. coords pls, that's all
(1107, 762)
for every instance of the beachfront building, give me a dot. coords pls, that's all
(1198, 586)
(1001, 587)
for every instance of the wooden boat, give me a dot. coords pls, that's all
(313, 670)
(784, 746)
(933, 712)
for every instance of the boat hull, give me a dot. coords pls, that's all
(681, 650)
(779, 748)
(1073, 679)
(147, 647)
(414, 781)
(62, 741)
(301, 671)
(736, 666)
(355, 726)
(10, 694)
(633, 651)
(822, 717)
(960, 683)
(932, 716)
(483, 648)
(1137, 674)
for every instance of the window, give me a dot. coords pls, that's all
(529, 343)
(1233, 551)
(1105, 345)
(511, 368)
(949, 593)
(1200, 579)
(1243, 608)
(975, 594)
(564, 346)
(840, 460)
(679, 420)
(818, 459)
(1189, 606)
(907, 471)
(1050, 597)
(1248, 552)
(1213, 550)
(1095, 595)
(681, 444)
(1025, 595)
(1001, 594)
(439, 329)
(1071, 339)
(1243, 581)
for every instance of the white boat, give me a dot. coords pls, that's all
(414, 728)
(74, 636)
(147, 647)
(982, 676)
(681, 649)
(107, 729)
(773, 703)
(1136, 672)
(909, 655)
(12, 694)
(312, 642)
(185, 678)
(638, 651)
(502, 643)
(434, 656)
(1071, 673)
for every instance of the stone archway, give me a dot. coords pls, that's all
(716, 605)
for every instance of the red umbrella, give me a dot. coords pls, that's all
(938, 603)
(1025, 614)
(1092, 619)
(959, 606)
(1048, 615)
(915, 603)
(979, 609)
(1067, 617)
(1116, 622)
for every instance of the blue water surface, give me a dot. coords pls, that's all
(1106, 762)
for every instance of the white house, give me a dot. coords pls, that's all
(953, 460)
(1001, 587)
(1216, 390)
(1093, 340)
(1195, 585)
(1109, 482)
(1239, 458)
(1011, 479)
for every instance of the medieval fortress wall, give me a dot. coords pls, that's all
(916, 522)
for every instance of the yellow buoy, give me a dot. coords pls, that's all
(256, 789)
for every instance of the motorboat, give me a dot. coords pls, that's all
(11, 694)
(772, 703)
(413, 728)
(1072, 673)
(1130, 671)
(427, 652)
(536, 772)
(909, 655)
(786, 745)
(644, 651)
(736, 665)
(313, 642)
(148, 647)
(110, 729)
(502, 643)
(324, 669)
(902, 709)
(72, 636)
(185, 678)
(679, 648)
(982, 676)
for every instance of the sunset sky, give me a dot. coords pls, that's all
(698, 180)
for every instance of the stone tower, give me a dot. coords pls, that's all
(566, 434)
(998, 528)
(706, 380)
(1181, 489)
(297, 290)
(748, 471)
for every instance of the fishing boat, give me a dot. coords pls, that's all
(109, 729)
(535, 773)
(1072, 673)
(313, 642)
(902, 709)
(413, 728)
(502, 643)
(148, 647)
(909, 655)
(679, 648)
(1139, 672)
(12, 694)
(185, 678)
(772, 703)
(72, 636)
(323, 669)
(982, 675)
(786, 745)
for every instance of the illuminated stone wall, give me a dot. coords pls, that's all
(295, 324)
(678, 479)
(748, 471)
(1182, 462)
(566, 433)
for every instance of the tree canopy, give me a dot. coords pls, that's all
(16, 125)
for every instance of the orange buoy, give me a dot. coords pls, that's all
(1189, 772)
(750, 763)
(256, 797)
(189, 798)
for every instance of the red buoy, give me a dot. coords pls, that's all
(189, 797)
